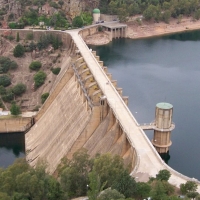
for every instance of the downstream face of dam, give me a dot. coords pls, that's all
(76, 115)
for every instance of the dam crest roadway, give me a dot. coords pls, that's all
(101, 103)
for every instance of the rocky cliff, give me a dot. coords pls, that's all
(71, 8)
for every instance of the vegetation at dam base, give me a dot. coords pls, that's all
(101, 178)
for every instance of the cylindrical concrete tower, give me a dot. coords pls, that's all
(96, 15)
(163, 127)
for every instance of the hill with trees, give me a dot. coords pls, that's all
(158, 10)
(28, 69)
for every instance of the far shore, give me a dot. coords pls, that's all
(148, 29)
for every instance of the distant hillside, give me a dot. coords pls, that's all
(14, 10)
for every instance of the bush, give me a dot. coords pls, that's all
(6, 64)
(14, 25)
(55, 70)
(110, 194)
(19, 89)
(54, 5)
(29, 36)
(2, 106)
(9, 96)
(5, 80)
(87, 18)
(44, 97)
(19, 51)
(39, 78)
(10, 37)
(15, 109)
(13, 65)
(2, 90)
(35, 65)
(77, 21)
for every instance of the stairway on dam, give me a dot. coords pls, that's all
(87, 110)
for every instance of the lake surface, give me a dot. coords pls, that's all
(162, 69)
(12, 146)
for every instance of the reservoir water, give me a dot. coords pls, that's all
(162, 69)
(12, 146)
(151, 71)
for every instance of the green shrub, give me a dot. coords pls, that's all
(13, 65)
(87, 18)
(2, 105)
(35, 65)
(39, 78)
(19, 89)
(6, 64)
(100, 29)
(29, 36)
(5, 80)
(55, 70)
(14, 25)
(15, 109)
(77, 21)
(2, 90)
(10, 37)
(32, 46)
(19, 51)
(9, 96)
(44, 97)
(54, 5)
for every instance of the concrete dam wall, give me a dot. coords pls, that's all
(76, 116)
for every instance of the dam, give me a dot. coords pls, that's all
(85, 109)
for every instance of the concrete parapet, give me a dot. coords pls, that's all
(94, 53)
(125, 98)
(97, 58)
(114, 82)
(119, 90)
(101, 63)
(109, 75)
(105, 69)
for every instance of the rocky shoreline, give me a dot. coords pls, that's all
(148, 29)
